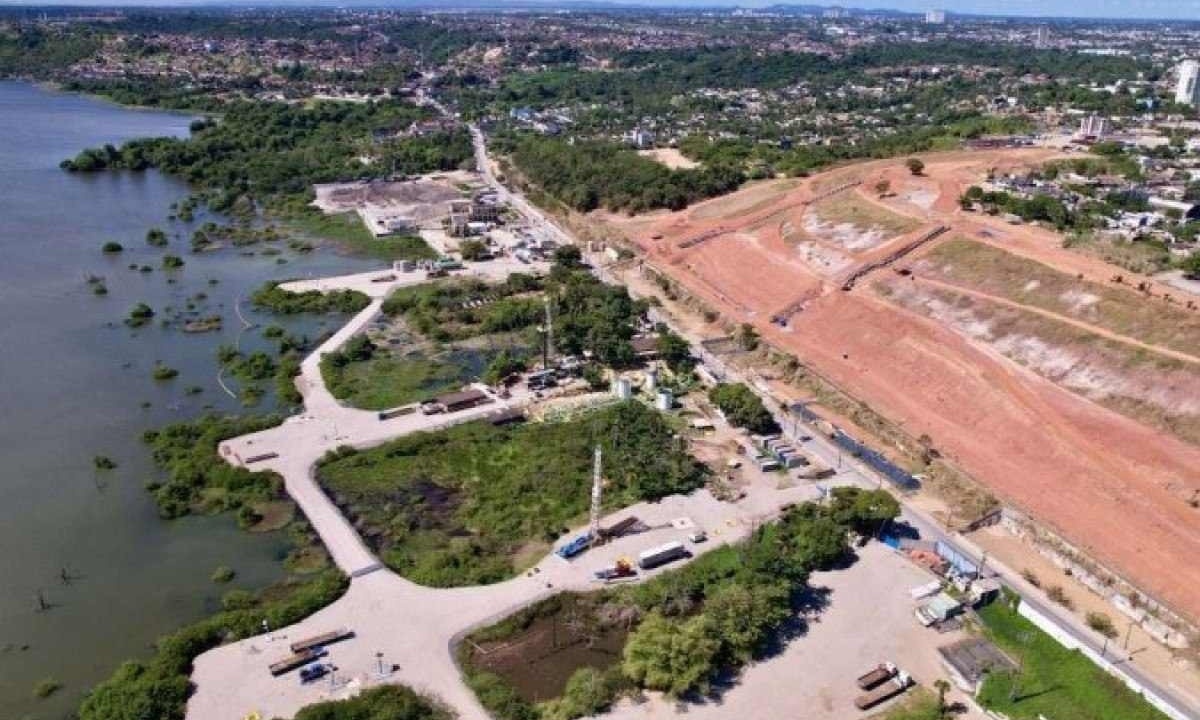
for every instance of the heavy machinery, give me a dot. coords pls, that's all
(622, 569)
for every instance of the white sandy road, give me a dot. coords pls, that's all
(415, 627)
(410, 625)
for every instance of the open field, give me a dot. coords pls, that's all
(1071, 462)
(458, 506)
(670, 157)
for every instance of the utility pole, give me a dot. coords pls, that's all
(597, 491)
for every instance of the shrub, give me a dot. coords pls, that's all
(164, 372)
(156, 237)
(46, 687)
(172, 262)
(1058, 595)
(139, 315)
(915, 166)
(1031, 578)
(103, 462)
(742, 407)
(1102, 624)
(111, 247)
(223, 574)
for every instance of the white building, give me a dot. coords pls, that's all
(1043, 36)
(935, 17)
(1187, 91)
(1094, 126)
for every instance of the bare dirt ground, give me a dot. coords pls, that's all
(670, 157)
(1113, 486)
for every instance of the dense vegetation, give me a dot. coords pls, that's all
(588, 314)
(389, 702)
(466, 308)
(455, 507)
(262, 151)
(1053, 680)
(271, 297)
(718, 613)
(38, 52)
(589, 175)
(742, 407)
(158, 688)
(195, 474)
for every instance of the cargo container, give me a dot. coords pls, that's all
(321, 640)
(889, 689)
(661, 555)
(877, 674)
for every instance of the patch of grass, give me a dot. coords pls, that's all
(386, 382)
(455, 507)
(1054, 681)
(223, 574)
(347, 229)
(918, 704)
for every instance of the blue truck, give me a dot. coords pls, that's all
(575, 546)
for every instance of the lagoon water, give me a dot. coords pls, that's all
(73, 381)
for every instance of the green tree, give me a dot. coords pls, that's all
(670, 655)
(675, 351)
(743, 617)
(742, 407)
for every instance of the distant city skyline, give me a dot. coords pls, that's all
(1062, 9)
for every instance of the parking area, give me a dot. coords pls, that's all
(868, 620)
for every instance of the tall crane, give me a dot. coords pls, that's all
(548, 341)
(597, 492)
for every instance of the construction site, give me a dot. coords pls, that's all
(1058, 384)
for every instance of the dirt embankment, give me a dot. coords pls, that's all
(1116, 485)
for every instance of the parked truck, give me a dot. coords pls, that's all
(886, 691)
(661, 555)
(575, 546)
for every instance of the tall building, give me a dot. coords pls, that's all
(1187, 91)
(1043, 36)
(935, 17)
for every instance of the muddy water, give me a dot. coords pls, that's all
(75, 382)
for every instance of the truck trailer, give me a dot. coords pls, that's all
(877, 675)
(661, 555)
(886, 691)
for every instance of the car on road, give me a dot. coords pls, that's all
(314, 672)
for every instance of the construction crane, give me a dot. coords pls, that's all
(597, 492)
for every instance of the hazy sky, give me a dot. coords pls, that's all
(1175, 9)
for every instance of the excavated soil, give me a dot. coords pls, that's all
(1115, 487)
